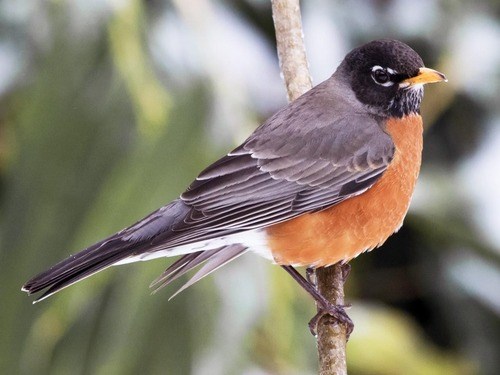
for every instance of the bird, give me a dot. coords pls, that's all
(326, 178)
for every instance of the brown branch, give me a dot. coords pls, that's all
(293, 63)
(290, 44)
(332, 337)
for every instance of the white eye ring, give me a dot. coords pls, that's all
(387, 71)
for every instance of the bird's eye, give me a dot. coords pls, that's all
(381, 76)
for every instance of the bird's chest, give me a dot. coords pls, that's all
(360, 223)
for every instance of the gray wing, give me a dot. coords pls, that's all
(280, 173)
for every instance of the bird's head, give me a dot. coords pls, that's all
(388, 77)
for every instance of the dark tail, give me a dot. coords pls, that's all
(131, 241)
(79, 266)
(153, 233)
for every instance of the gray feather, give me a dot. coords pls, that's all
(217, 260)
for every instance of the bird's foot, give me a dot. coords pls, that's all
(336, 312)
(336, 315)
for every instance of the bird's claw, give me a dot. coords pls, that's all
(337, 315)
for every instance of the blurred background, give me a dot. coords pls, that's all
(109, 109)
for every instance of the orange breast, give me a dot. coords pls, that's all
(360, 223)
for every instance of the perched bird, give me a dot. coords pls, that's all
(326, 178)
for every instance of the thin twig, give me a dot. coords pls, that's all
(293, 64)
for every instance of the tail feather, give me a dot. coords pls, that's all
(213, 261)
(130, 244)
(78, 267)
(181, 267)
(131, 241)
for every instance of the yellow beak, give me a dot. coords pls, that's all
(425, 75)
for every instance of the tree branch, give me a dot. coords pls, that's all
(290, 44)
(332, 337)
(293, 63)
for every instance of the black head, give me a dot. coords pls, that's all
(388, 77)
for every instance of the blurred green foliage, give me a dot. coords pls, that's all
(97, 129)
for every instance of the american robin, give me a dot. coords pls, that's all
(326, 178)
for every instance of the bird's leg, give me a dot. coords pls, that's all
(324, 306)
(313, 323)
